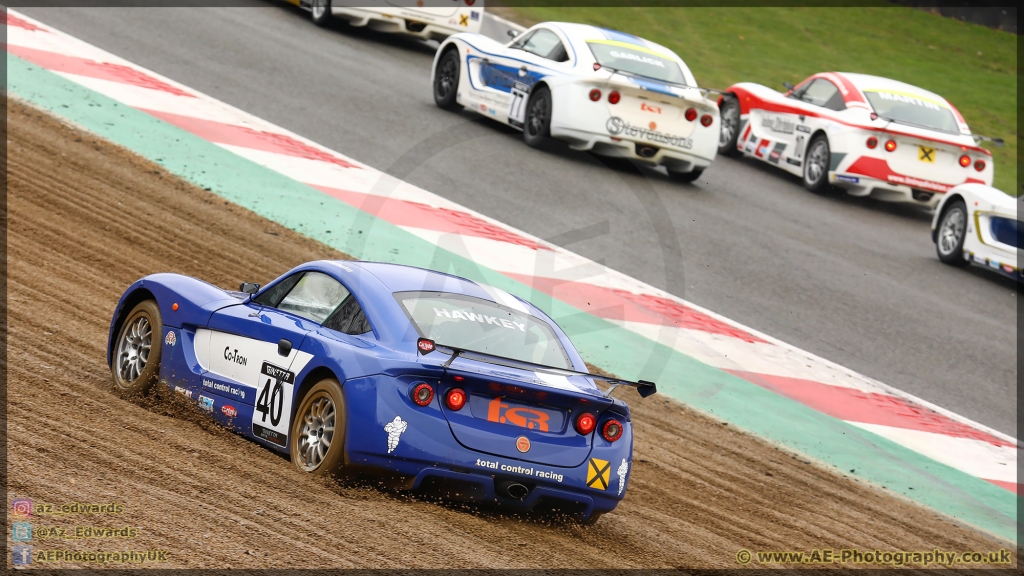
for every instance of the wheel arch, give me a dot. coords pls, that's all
(948, 201)
(449, 45)
(312, 377)
(130, 301)
(819, 132)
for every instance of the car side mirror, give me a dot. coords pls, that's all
(788, 86)
(512, 33)
(249, 288)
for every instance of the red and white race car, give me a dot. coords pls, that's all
(865, 134)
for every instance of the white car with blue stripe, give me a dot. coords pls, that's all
(979, 224)
(611, 93)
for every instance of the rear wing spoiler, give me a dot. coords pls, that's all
(978, 139)
(426, 346)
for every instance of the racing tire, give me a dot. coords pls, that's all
(446, 81)
(816, 165)
(690, 176)
(730, 128)
(537, 124)
(320, 11)
(135, 364)
(950, 235)
(594, 517)
(321, 415)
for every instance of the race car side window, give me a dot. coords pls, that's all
(314, 297)
(821, 92)
(546, 44)
(348, 318)
(276, 293)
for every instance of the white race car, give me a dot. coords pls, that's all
(865, 134)
(979, 224)
(435, 21)
(596, 89)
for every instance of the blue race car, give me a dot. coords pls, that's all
(349, 366)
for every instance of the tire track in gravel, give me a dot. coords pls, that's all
(87, 218)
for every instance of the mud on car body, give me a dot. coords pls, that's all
(356, 365)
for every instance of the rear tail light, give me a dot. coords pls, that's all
(455, 399)
(872, 142)
(612, 430)
(706, 120)
(595, 95)
(424, 345)
(965, 160)
(586, 423)
(979, 165)
(691, 114)
(422, 394)
(613, 97)
(890, 145)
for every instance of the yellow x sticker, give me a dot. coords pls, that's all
(463, 20)
(598, 472)
(926, 154)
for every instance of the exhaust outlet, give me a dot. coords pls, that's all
(644, 151)
(513, 490)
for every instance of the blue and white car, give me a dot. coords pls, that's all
(600, 90)
(352, 366)
(979, 224)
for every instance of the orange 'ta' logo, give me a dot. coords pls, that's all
(498, 411)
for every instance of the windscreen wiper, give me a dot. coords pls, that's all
(426, 346)
(704, 91)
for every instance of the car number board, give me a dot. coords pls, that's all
(517, 104)
(272, 416)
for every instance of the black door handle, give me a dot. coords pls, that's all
(284, 347)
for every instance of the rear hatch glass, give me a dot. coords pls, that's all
(637, 60)
(913, 110)
(469, 323)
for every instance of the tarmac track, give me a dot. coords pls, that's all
(87, 218)
(852, 280)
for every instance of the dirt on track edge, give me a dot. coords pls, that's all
(87, 218)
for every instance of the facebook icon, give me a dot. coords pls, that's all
(21, 555)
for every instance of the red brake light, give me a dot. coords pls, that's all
(872, 142)
(706, 120)
(425, 345)
(595, 95)
(965, 160)
(691, 114)
(422, 394)
(979, 165)
(890, 145)
(597, 66)
(586, 423)
(613, 97)
(612, 430)
(455, 399)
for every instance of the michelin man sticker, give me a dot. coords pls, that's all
(623, 469)
(394, 430)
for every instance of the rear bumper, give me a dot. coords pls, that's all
(860, 185)
(678, 159)
(421, 25)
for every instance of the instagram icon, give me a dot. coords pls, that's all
(21, 507)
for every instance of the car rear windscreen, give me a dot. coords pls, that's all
(638, 60)
(913, 110)
(479, 325)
